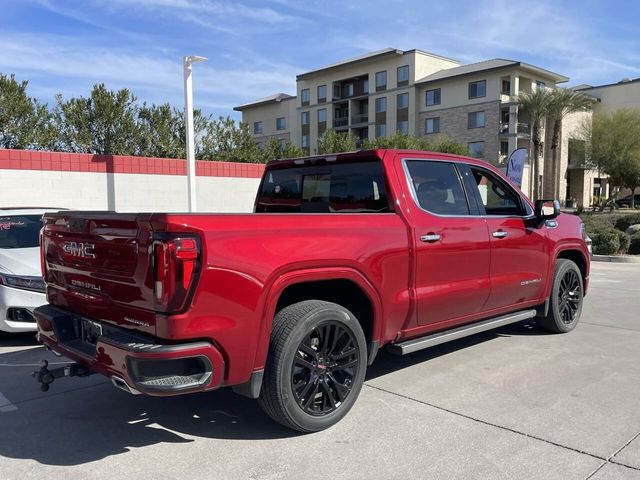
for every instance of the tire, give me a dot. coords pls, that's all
(565, 303)
(315, 367)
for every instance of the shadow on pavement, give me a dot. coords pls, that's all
(95, 421)
(27, 339)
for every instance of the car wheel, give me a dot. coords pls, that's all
(566, 298)
(316, 365)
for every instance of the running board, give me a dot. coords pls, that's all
(416, 344)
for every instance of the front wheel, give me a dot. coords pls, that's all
(566, 298)
(316, 365)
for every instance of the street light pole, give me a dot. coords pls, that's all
(188, 121)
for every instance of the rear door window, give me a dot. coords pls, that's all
(357, 187)
(437, 187)
(20, 231)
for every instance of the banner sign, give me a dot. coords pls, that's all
(515, 167)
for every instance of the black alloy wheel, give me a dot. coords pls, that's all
(315, 367)
(324, 367)
(567, 294)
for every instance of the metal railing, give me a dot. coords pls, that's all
(520, 127)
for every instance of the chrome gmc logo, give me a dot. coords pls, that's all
(79, 249)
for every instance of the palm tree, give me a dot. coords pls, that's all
(562, 103)
(536, 103)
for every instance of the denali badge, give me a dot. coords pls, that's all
(79, 249)
(136, 322)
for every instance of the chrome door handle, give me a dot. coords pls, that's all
(500, 234)
(430, 237)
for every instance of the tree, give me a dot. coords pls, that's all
(536, 103)
(104, 123)
(273, 150)
(24, 122)
(441, 144)
(562, 102)
(162, 131)
(336, 142)
(613, 146)
(223, 139)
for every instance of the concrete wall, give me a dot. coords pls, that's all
(124, 184)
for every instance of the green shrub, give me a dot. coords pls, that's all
(625, 241)
(594, 221)
(634, 246)
(633, 229)
(626, 221)
(605, 242)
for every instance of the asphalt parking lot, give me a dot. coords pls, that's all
(513, 403)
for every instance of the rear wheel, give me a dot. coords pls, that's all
(316, 365)
(566, 298)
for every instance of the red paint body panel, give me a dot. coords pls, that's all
(248, 260)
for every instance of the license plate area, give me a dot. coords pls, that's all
(90, 331)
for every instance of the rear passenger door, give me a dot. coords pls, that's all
(452, 250)
(518, 256)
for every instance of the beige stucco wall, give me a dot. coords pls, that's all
(267, 114)
(614, 97)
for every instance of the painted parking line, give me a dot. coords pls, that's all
(6, 405)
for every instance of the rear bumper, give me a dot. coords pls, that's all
(134, 362)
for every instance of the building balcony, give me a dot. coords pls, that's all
(340, 121)
(362, 118)
(521, 128)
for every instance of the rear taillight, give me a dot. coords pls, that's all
(42, 266)
(176, 264)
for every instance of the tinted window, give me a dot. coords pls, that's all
(495, 195)
(437, 187)
(341, 188)
(20, 231)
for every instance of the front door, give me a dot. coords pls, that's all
(519, 259)
(452, 248)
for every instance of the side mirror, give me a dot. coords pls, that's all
(547, 209)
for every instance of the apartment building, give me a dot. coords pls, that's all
(412, 92)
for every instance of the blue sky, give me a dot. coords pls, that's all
(256, 48)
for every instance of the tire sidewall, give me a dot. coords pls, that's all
(306, 324)
(561, 271)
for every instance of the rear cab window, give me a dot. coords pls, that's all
(355, 187)
(20, 231)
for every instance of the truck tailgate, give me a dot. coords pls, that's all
(98, 265)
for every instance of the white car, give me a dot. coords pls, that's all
(21, 285)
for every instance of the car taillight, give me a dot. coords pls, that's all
(176, 263)
(42, 266)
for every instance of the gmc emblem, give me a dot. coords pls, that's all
(79, 249)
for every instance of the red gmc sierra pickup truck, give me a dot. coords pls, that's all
(344, 254)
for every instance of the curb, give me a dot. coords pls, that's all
(616, 258)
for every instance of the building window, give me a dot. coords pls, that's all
(381, 104)
(540, 85)
(282, 143)
(281, 123)
(305, 141)
(403, 127)
(305, 96)
(257, 128)
(403, 100)
(506, 87)
(381, 80)
(478, 89)
(504, 148)
(304, 118)
(433, 97)
(322, 93)
(403, 76)
(381, 130)
(365, 86)
(476, 120)
(476, 149)
(577, 152)
(322, 115)
(347, 90)
(432, 125)
(260, 145)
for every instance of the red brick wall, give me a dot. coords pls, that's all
(79, 162)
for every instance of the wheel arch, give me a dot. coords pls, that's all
(344, 286)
